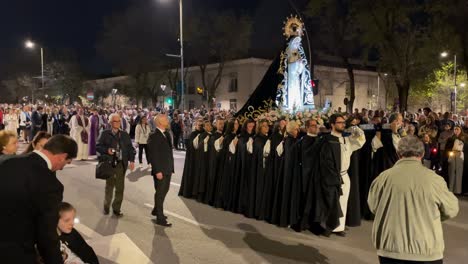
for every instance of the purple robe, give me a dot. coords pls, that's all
(93, 134)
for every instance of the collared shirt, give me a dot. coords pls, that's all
(46, 159)
(162, 131)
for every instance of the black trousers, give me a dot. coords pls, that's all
(176, 140)
(161, 187)
(140, 152)
(384, 260)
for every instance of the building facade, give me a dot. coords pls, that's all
(240, 78)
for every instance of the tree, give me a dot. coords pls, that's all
(339, 34)
(435, 90)
(216, 37)
(27, 85)
(135, 42)
(400, 31)
(64, 77)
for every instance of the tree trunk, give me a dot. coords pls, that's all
(403, 90)
(352, 85)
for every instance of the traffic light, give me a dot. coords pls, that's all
(199, 90)
(169, 101)
(315, 86)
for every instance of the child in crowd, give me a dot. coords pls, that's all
(74, 248)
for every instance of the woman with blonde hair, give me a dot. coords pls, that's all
(8, 142)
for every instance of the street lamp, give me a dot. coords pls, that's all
(444, 55)
(30, 45)
(163, 88)
(181, 55)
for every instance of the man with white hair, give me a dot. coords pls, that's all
(162, 162)
(410, 202)
(115, 144)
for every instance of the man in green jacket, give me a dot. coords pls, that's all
(410, 202)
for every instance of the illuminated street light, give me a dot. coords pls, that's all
(444, 54)
(29, 44)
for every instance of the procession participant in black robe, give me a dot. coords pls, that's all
(353, 216)
(366, 168)
(186, 186)
(243, 166)
(223, 188)
(201, 145)
(260, 155)
(290, 152)
(302, 172)
(273, 169)
(334, 161)
(385, 144)
(215, 160)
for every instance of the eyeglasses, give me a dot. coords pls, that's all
(341, 122)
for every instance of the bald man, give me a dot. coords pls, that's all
(162, 162)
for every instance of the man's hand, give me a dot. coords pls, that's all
(132, 166)
(159, 176)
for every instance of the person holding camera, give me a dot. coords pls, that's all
(115, 144)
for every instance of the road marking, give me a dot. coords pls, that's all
(175, 184)
(118, 248)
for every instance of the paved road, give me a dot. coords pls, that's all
(201, 234)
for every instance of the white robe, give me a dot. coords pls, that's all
(348, 146)
(75, 133)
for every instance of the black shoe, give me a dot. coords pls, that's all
(153, 213)
(118, 214)
(106, 211)
(326, 233)
(163, 223)
(341, 234)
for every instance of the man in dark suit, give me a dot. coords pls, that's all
(115, 144)
(30, 198)
(36, 120)
(162, 162)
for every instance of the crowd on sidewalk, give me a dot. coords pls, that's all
(310, 170)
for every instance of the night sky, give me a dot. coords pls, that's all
(76, 25)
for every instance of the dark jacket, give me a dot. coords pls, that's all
(108, 140)
(160, 153)
(36, 120)
(30, 198)
(78, 245)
